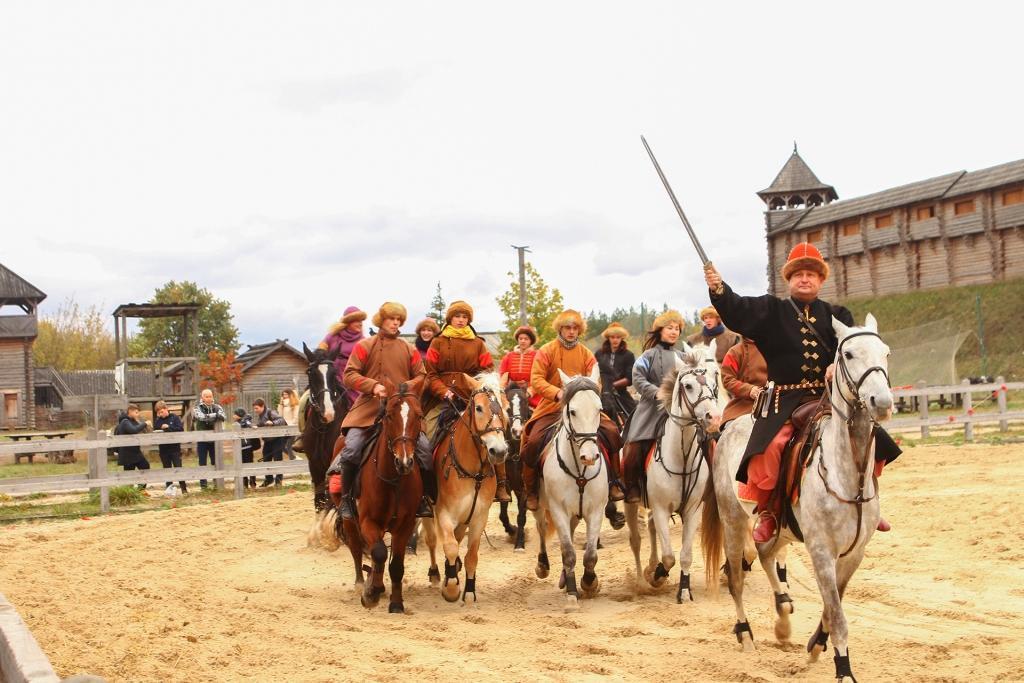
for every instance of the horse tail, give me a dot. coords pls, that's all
(711, 537)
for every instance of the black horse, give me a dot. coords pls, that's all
(519, 412)
(325, 409)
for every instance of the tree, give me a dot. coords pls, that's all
(542, 305)
(221, 374)
(437, 307)
(74, 338)
(166, 337)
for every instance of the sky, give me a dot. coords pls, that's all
(298, 157)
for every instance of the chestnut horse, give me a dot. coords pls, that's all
(390, 491)
(519, 412)
(466, 482)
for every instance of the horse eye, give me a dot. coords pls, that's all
(572, 412)
(479, 409)
(847, 355)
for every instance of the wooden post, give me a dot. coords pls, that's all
(968, 411)
(98, 468)
(236, 457)
(1001, 402)
(218, 449)
(922, 401)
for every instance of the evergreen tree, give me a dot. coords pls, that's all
(437, 307)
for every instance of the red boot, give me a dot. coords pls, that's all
(883, 524)
(764, 531)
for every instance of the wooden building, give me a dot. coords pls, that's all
(273, 366)
(961, 228)
(17, 334)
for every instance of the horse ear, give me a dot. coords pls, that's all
(334, 354)
(871, 323)
(564, 377)
(595, 374)
(309, 354)
(840, 329)
(680, 363)
(686, 347)
(470, 383)
(712, 351)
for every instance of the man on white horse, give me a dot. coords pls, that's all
(795, 336)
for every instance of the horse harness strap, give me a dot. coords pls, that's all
(452, 457)
(579, 477)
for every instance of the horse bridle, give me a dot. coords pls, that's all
(684, 400)
(856, 404)
(495, 411)
(576, 441)
(313, 395)
(392, 442)
(478, 439)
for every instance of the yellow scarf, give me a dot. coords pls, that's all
(458, 332)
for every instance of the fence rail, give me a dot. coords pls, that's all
(968, 418)
(98, 477)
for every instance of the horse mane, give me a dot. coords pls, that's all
(693, 357)
(490, 381)
(577, 384)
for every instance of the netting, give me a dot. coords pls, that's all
(926, 352)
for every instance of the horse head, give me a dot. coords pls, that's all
(401, 425)
(324, 387)
(581, 414)
(862, 369)
(690, 392)
(487, 416)
(518, 410)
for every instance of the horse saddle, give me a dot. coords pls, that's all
(806, 421)
(373, 433)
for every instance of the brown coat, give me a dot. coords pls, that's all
(726, 340)
(743, 369)
(447, 359)
(374, 360)
(544, 378)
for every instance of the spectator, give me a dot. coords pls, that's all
(170, 453)
(249, 446)
(274, 446)
(131, 457)
(288, 407)
(714, 330)
(206, 415)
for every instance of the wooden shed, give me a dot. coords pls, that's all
(17, 334)
(275, 366)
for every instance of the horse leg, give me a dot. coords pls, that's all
(632, 521)
(520, 545)
(667, 560)
(736, 532)
(783, 603)
(543, 564)
(691, 518)
(568, 580)
(833, 623)
(430, 537)
(476, 530)
(780, 566)
(503, 518)
(590, 583)
(652, 559)
(452, 562)
(355, 546)
(396, 568)
(374, 588)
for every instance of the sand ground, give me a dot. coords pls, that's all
(229, 591)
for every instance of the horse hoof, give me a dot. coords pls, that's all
(590, 591)
(684, 596)
(572, 603)
(783, 629)
(561, 580)
(434, 577)
(541, 571)
(748, 643)
(396, 608)
(519, 549)
(815, 652)
(368, 603)
(451, 591)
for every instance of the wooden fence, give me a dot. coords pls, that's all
(98, 477)
(968, 418)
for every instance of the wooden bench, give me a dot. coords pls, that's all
(53, 456)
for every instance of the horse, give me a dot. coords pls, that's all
(466, 483)
(389, 493)
(574, 486)
(519, 412)
(678, 473)
(838, 508)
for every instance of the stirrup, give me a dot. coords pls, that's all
(426, 508)
(345, 510)
(615, 492)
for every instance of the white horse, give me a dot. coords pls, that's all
(679, 473)
(575, 484)
(838, 508)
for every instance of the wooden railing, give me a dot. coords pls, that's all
(99, 477)
(968, 418)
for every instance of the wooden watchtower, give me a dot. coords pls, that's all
(17, 334)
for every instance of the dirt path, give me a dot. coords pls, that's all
(228, 592)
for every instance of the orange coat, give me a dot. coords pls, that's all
(373, 360)
(544, 378)
(743, 369)
(447, 359)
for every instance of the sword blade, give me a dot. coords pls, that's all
(675, 202)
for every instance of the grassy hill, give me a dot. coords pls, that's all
(1002, 310)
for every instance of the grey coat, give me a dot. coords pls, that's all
(648, 372)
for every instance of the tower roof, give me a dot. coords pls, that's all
(796, 176)
(15, 289)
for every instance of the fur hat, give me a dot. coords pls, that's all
(669, 316)
(428, 323)
(617, 329)
(389, 309)
(457, 307)
(566, 317)
(528, 331)
(709, 310)
(352, 314)
(805, 256)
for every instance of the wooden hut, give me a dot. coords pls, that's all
(272, 366)
(17, 334)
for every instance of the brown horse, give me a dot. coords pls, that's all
(519, 412)
(390, 491)
(466, 482)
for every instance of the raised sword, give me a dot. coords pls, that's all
(675, 202)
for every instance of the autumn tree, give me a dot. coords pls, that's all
(74, 338)
(166, 336)
(542, 305)
(221, 374)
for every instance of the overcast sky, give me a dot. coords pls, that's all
(299, 157)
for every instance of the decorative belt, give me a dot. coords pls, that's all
(779, 388)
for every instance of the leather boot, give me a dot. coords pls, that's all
(426, 508)
(501, 494)
(530, 484)
(615, 487)
(348, 479)
(632, 466)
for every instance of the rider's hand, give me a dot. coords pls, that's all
(713, 278)
(379, 391)
(560, 395)
(448, 395)
(754, 393)
(830, 372)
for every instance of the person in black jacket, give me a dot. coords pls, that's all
(170, 453)
(131, 457)
(273, 448)
(616, 363)
(249, 446)
(205, 417)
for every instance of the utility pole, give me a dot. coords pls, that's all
(522, 282)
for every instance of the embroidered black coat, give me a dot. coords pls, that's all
(794, 356)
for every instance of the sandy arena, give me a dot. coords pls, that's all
(229, 592)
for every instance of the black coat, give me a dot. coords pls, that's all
(171, 423)
(794, 356)
(273, 446)
(129, 455)
(616, 401)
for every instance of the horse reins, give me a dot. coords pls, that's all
(576, 441)
(699, 434)
(480, 475)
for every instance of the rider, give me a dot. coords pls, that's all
(744, 374)
(713, 330)
(455, 351)
(426, 330)
(567, 354)
(655, 363)
(616, 363)
(798, 363)
(516, 364)
(381, 357)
